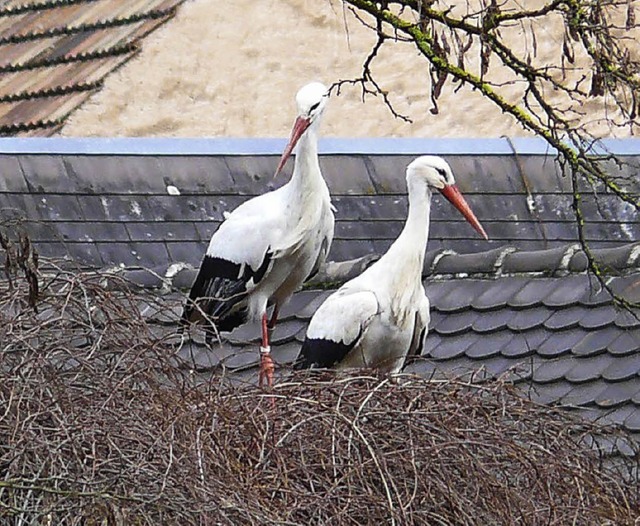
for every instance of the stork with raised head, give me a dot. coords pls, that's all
(268, 246)
(381, 317)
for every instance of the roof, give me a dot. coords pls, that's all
(105, 207)
(560, 339)
(54, 54)
(521, 305)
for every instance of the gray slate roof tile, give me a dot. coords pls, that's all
(450, 348)
(432, 341)
(632, 421)
(17, 183)
(112, 254)
(253, 174)
(184, 278)
(525, 343)
(155, 253)
(358, 182)
(615, 257)
(305, 312)
(599, 318)
(424, 367)
(631, 290)
(436, 290)
(53, 207)
(626, 318)
(143, 278)
(242, 357)
(488, 345)
(453, 323)
(588, 369)
(623, 368)
(202, 358)
(174, 230)
(388, 173)
(198, 174)
(368, 207)
(596, 342)
(554, 369)
(92, 232)
(492, 321)
(618, 393)
(625, 343)
(248, 333)
(497, 297)
(458, 298)
(286, 353)
(567, 291)
(286, 331)
(532, 294)
(564, 318)
(561, 343)
(368, 229)
(584, 394)
(297, 303)
(549, 393)
(526, 319)
(187, 252)
(47, 173)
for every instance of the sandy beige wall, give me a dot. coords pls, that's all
(233, 71)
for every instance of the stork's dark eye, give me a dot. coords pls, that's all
(442, 172)
(314, 106)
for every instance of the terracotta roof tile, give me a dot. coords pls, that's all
(55, 53)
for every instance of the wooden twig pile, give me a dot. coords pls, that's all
(98, 426)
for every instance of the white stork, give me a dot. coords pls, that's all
(379, 318)
(268, 246)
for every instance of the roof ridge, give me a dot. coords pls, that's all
(109, 52)
(508, 260)
(10, 129)
(52, 92)
(43, 5)
(103, 24)
(548, 262)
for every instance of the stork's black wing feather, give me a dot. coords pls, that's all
(322, 354)
(220, 289)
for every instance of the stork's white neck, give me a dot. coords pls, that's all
(409, 249)
(307, 177)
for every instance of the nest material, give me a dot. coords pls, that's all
(99, 426)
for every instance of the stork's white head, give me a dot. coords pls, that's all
(311, 100)
(436, 173)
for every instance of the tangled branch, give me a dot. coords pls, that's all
(99, 424)
(597, 61)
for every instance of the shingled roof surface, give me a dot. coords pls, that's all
(109, 202)
(555, 332)
(519, 305)
(54, 54)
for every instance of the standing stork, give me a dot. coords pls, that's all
(269, 245)
(380, 318)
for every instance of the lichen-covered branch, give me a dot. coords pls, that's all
(598, 61)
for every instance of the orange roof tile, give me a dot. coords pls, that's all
(55, 53)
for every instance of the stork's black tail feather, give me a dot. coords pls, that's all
(219, 292)
(320, 353)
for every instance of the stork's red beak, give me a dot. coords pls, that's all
(454, 196)
(299, 127)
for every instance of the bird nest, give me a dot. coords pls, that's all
(99, 426)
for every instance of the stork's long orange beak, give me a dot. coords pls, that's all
(299, 127)
(454, 196)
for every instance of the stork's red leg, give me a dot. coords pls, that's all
(274, 317)
(266, 362)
